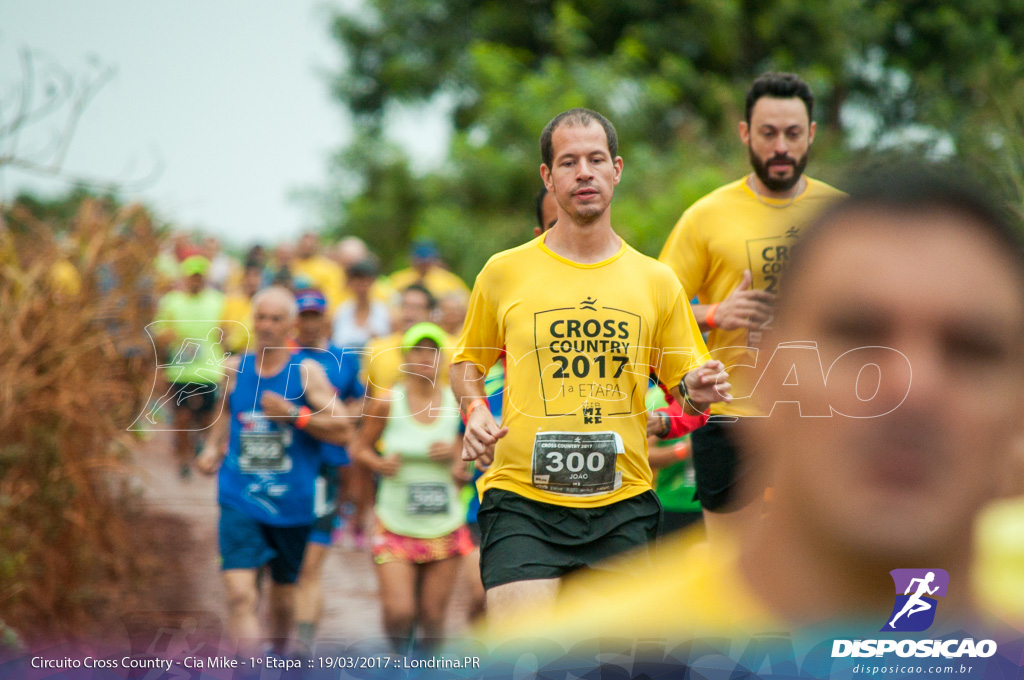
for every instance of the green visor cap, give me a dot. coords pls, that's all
(424, 331)
(195, 264)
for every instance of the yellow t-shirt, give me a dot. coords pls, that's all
(730, 230)
(238, 336)
(383, 358)
(438, 281)
(580, 339)
(325, 275)
(999, 578)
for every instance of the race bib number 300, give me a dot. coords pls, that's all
(577, 463)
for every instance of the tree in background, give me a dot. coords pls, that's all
(887, 74)
(39, 115)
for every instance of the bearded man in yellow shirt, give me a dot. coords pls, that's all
(730, 249)
(581, 318)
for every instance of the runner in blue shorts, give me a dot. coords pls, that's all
(266, 446)
(342, 370)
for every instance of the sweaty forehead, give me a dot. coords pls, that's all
(272, 305)
(779, 112)
(571, 137)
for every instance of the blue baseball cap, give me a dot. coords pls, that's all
(425, 250)
(311, 300)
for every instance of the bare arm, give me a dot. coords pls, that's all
(216, 446)
(321, 397)
(362, 449)
(482, 432)
(663, 456)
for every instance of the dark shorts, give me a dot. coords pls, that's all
(197, 398)
(325, 505)
(723, 473)
(325, 529)
(248, 544)
(524, 540)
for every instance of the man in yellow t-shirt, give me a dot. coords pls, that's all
(427, 271)
(382, 358)
(730, 249)
(322, 273)
(892, 481)
(238, 309)
(581, 318)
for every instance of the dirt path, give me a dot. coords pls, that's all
(351, 609)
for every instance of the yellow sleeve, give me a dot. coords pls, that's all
(682, 345)
(482, 340)
(687, 255)
(237, 335)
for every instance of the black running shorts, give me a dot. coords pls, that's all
(523, 539)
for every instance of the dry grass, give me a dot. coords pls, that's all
(74, 369)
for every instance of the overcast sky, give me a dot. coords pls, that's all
(228, 95)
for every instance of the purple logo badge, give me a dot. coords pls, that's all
(916, 590)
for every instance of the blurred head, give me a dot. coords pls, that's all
(252, 279)
(424, 255)
(313, 324)
(581, 166)
(547, 211)
(284, 255)
(211, 247)
(778, 130)
(361, 276)
(913, 291)
(257, 255)
(308, 245)
(350, 250)
(452, 312)
(421, 345)
(181, 244)
(274, 311)
(416, 306)
(193, 273)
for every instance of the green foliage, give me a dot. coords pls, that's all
(671, 76)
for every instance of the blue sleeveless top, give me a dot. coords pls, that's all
(270, 467)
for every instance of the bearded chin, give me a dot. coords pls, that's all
(777, 184)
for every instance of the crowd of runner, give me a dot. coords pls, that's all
(509, 437)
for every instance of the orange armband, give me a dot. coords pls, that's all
(303, 418)
(473, 404)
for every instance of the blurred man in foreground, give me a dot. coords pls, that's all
(895, 405)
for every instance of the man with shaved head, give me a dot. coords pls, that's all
(266, 445)
(581, 318)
